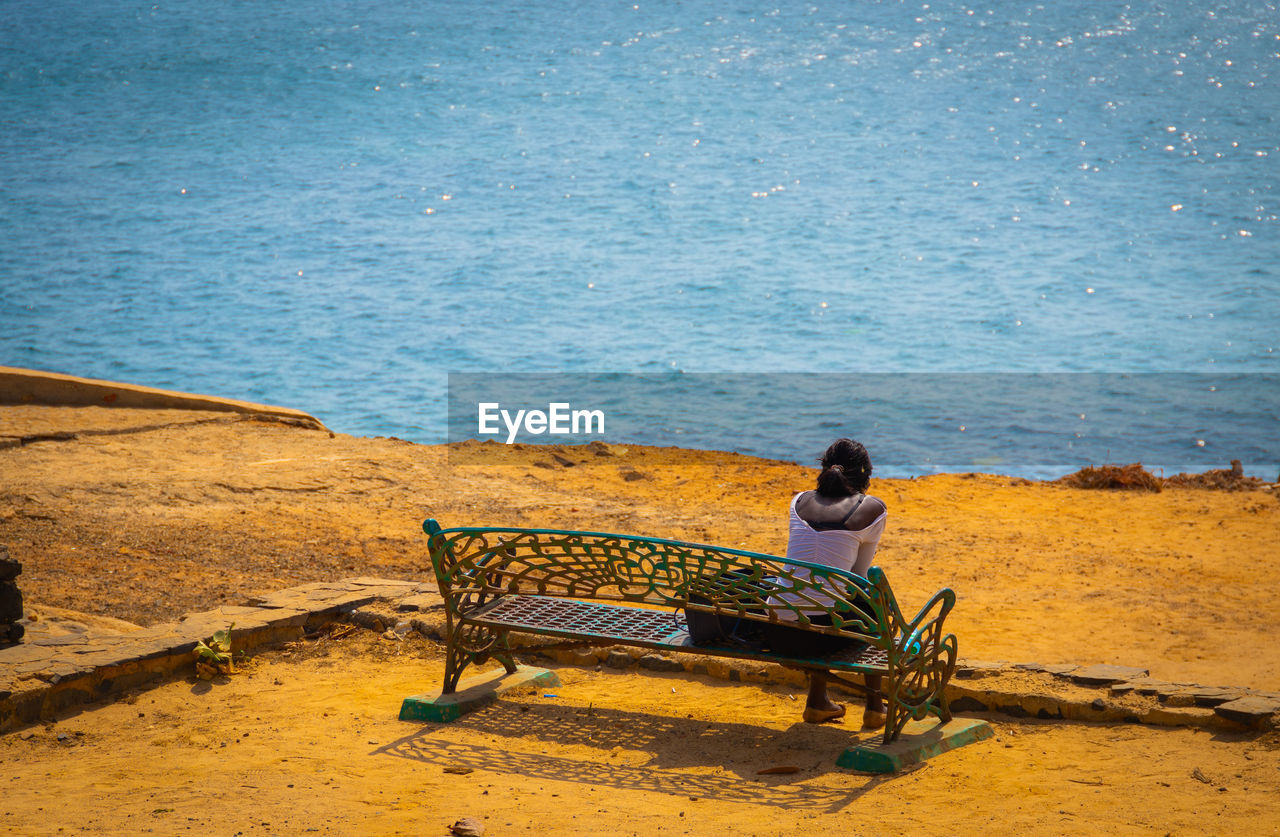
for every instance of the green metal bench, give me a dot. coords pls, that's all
(604, 589)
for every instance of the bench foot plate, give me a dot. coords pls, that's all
(920, 740)
(473, 693)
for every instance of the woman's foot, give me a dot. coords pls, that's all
(816, 715)
(874, 718)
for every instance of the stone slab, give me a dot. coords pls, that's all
(62, 672)
(78, 638)
(1105, 675)
(1048, 668)
(974, 669)
(1197, 695)
(28, 653)
(393, 586)
(474, 693)
(920, 740)
(1250, 710)
(1142, 686)
(657, 662)
(326, 601)
(1188, 716)
(420, 603)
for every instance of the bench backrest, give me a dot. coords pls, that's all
(474, 565)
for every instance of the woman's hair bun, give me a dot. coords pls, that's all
(844, 455)
(833, 483)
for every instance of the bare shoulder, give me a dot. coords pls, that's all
(868, 512)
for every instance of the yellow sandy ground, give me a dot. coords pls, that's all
(308, 740)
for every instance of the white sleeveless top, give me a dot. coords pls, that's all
(830, 547)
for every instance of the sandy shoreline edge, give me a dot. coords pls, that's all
(33, 387)
(40, 388)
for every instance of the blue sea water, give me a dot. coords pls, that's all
(332, 205)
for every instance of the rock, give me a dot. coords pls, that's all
(1048, 668)
(967, 704)
(1142, 685)
(420, 603)
(583, 658)
(1195, 695)
(717, 668)
(1105, 675)
(467, 827)
(973, 669)
(618, 659)
(657, 662)
(9, 568)
(368, 620)
(10, 602)
(1213, 697)
(1251, 710)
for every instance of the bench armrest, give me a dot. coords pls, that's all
(925, 630)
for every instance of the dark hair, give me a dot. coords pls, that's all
(846, 469)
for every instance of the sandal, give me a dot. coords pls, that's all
(871, 719)
(822, 716)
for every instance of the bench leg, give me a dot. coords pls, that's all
(454, 663)
(919, 689)
(895, 717)
(472, 644)
(507, 663)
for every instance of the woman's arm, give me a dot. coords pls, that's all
(866, 555)
(871, 522)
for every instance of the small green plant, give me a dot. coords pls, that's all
(214, 657)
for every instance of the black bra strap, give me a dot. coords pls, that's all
(845, 522)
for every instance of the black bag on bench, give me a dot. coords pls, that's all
(708, 628)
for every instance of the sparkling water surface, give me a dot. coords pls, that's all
(331, 205)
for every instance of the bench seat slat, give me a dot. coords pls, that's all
(658, 629)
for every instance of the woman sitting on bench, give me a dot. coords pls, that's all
(837, 525)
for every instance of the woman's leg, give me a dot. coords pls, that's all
(818, 698)
(874, 717)
(874, 683)
(819, 707)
